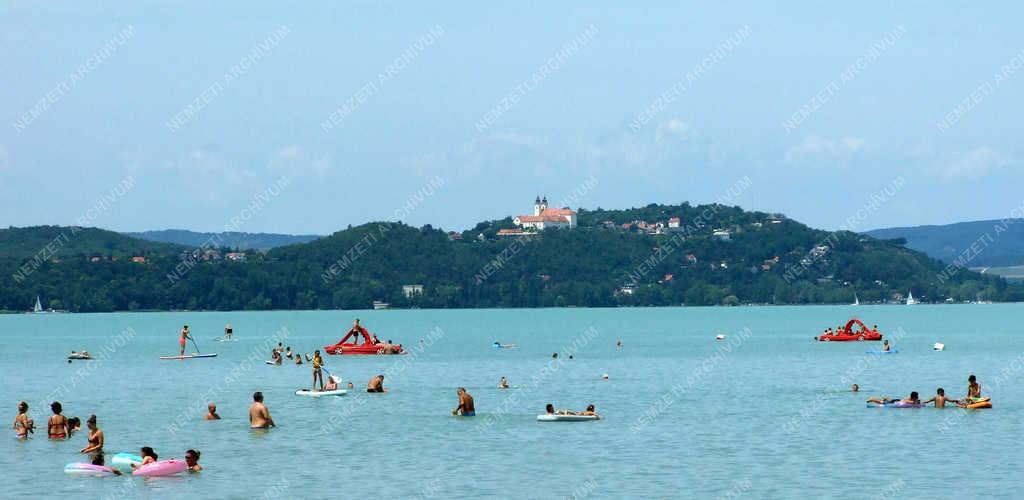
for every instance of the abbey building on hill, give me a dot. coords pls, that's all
(546, 218)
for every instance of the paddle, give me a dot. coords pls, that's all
(194, 344)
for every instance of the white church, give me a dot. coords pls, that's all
(546, 218)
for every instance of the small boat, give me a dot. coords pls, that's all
(380, 304)
(38, 308)
(499, 345)
(911, 301)
(939, 346)
(80, 355)
(720, 337)
(367, 347)
(856, 301)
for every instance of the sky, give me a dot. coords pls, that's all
(260, 117)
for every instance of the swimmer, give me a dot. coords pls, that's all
(288, 352)
(550, 409)
(148, 457)
(376, 384)
(939, 399)
(913, 400)
(554, 355)
(465, 408)
(57, 426)
(503, 383)
(74, 425)
(23, 426)
(618, 344)
(350, 386)
(259, 416)
(192, 461)
(885, 346)
(854, 388)
(95, 439)
(298, 359)
(211, 412)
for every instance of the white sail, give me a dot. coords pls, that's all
(39, 306)
(910, 298)
(856, 301)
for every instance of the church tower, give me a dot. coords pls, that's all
(536, 206)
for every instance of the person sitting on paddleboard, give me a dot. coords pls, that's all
(192, 461)
(332, 385)
(465, 408)
(184, 335)
(503, 383)
(939, 399)
(318, 363)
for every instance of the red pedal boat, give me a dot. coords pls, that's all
(850, 333)
(344, 346)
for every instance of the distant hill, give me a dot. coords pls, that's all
(56, 242)
(244, 241)
(719, 255)
(995, 242)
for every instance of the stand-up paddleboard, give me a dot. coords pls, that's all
(190, 356)
(161, 468)
(222, 339)
(317, 394)
(547, 417)
(124, 461)
(82, 469)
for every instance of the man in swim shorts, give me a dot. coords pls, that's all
(184, 335)
(259, 416)
(376, 384)
(465, 408)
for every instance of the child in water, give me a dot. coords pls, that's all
(148, 457)
(939, 399)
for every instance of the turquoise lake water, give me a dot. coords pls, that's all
(765, 413)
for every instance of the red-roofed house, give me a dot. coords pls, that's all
(545, 218)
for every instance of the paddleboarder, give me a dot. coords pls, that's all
(184, 336)
(228, 331)
(318, 363)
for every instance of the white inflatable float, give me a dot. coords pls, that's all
(559, 417)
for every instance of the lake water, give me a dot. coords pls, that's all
(766, 413)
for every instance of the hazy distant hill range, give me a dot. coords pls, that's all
(977, 244)
(243, 241)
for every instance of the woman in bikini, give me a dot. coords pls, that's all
(95, 439)
(57, 427)
(23, 426)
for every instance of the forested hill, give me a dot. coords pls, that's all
(718, 256)
(968, 244)
(229, 239)
(28, 242)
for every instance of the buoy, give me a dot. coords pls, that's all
(720, 337)
(939, 346)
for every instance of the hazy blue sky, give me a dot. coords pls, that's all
(501, 104)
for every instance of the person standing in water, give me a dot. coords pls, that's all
(376, 384)
(184, 335)
(318, 363)
(95, 439)
(211, 412)
(23, 426)
(465, 408)
(57, 426)
(259, 416)
(939, 399)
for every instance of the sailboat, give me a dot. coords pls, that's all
(910, 298)
(856, 301)
(38, 307)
